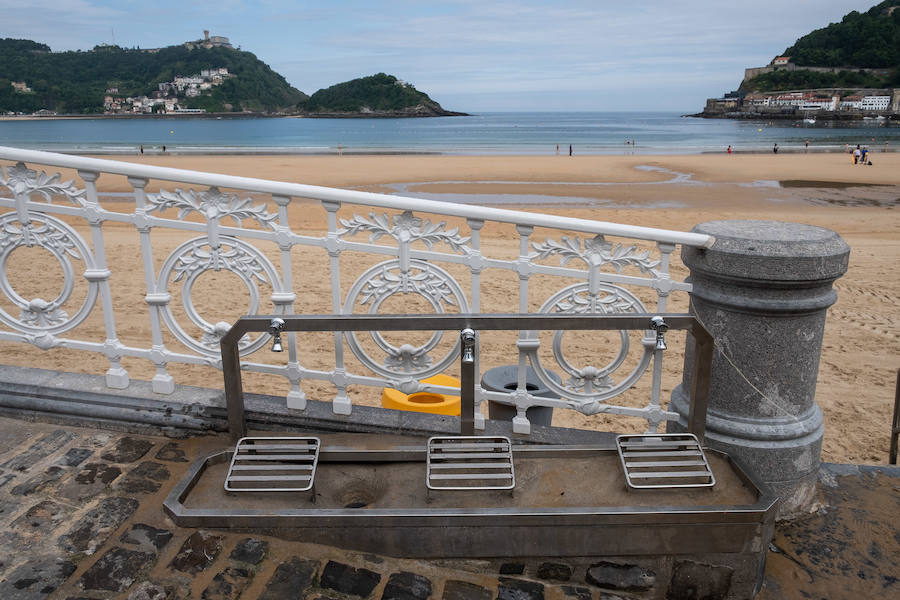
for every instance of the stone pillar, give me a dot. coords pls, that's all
(762, 291)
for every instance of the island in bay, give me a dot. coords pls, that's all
(207, 76)
(845, 71)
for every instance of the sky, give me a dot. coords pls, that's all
(468, 55)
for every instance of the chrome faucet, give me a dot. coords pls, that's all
(276, 326)
(468, 345)
(658, 324)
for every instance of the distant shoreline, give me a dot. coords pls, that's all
(242, 115)
(155, 150)
(142, 116)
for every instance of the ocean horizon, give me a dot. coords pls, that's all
(490, 133)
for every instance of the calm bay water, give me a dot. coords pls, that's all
(488, 133)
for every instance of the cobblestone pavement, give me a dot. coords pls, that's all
(81, 519)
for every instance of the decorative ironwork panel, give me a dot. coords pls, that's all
(37, 315)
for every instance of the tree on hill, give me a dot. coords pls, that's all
(380, 92)
(869, 39)
(76, 81)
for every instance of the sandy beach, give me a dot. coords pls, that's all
(862, 203)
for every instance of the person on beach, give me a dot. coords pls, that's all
(557, 149)
(856, 154)
(164, 149)
(570, 149)
(142, 148)
(729, 149)
(775, 148)
(807, 145)
(864, 151)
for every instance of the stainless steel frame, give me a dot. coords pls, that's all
(274, 464)
(667, 460)
(231, 362)
(469, 462)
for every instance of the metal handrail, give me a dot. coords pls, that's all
(280, 188)
(895, 424)
(231, 361)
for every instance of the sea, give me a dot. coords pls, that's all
(494, 133)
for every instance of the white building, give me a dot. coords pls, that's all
(875, 102)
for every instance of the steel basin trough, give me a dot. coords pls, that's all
(567, 501)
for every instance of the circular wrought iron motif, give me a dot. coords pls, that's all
(387, 279)
(39, 315)
(196, 256)
(608, 300)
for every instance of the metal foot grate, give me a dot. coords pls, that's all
(273, 464)
(470, 463)
(667, 460)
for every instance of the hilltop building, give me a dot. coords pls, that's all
(208, 41)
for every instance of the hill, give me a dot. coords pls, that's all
(78, 81)
(869, 39)
(379, 95)
(862, 51)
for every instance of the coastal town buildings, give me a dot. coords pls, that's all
(165, 99)
(862, 102)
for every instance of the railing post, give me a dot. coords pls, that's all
(762, 291)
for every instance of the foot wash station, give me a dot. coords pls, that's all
(650, 497)
(694, 505)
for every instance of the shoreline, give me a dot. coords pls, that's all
(648, 153)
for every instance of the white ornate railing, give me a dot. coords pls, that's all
(417, 255)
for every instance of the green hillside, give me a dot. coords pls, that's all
(377, 94)
(76, 81)
(861, 40)
(869, 39)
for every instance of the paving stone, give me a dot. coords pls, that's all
(146, 478)
(95, 527)
(39, 450)
(126, 450)
(576, 592)
(6, 478)
(36, 579)
(463, 590)
(38, 482)
(97, 472)
(40, 519)
(74, 457)
(290, 578)
(149, 591)
(625, 577)
(517, 589)
(512, 568)
(197, 552)
(554, 571)
(146, 537)
(347, 580)
(91, 480)
(692, 580)
(250, 550)
(116, 570)
(171, 452)
(228, 584)
(406, 586)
